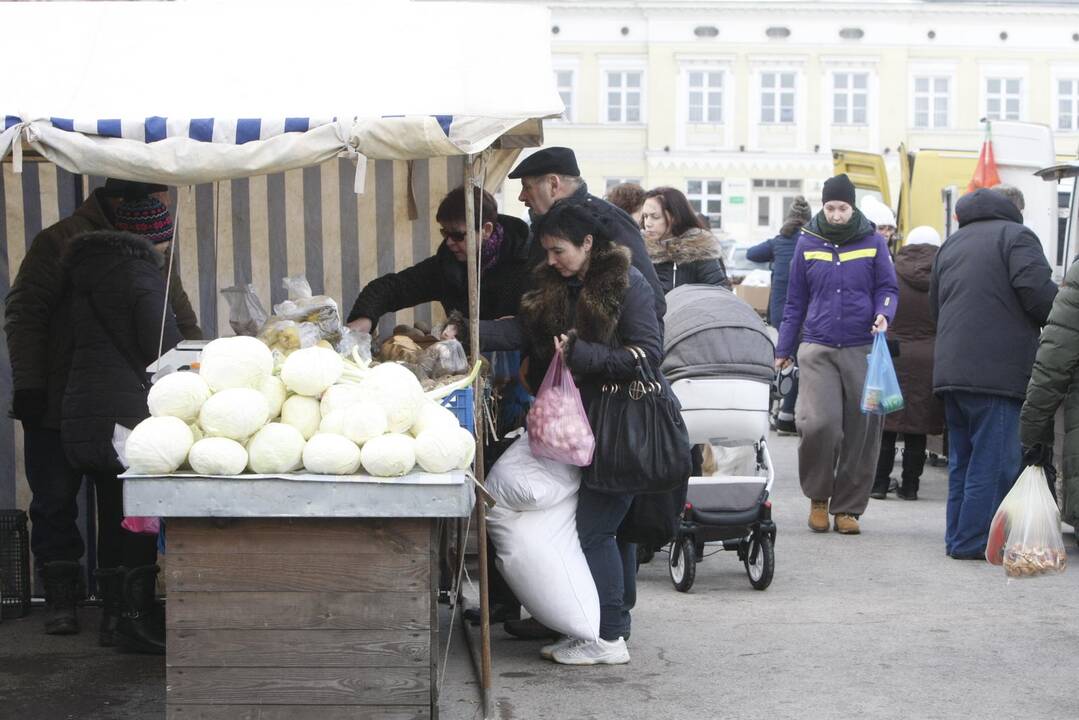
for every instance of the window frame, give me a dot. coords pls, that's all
(699, 201)
(1070, 75)
(777, 92)
(849, 92)
(932, 72)
(623, 65)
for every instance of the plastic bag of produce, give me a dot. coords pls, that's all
(558, 426)
(448, 358)
(1025, 535)
(881, 394)
(246, 314)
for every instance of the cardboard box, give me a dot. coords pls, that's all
(757, 297)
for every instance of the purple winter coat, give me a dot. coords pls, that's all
(835, 292)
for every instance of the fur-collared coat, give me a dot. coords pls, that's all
(115, 299)
(612, 307)
(693, 258)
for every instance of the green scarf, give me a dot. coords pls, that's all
(841, 234)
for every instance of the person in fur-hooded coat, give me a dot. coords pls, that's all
(682, 251)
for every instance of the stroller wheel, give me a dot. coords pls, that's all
(760, 560)
(683, 564)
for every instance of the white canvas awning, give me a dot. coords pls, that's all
(191, 92)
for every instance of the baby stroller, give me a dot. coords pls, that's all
(719, 359)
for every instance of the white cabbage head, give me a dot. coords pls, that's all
(311, 370)
(179, 394)
(439, 450)
(389, 455)
(433, 415)
(217, 456)
(277, 448)
(397, 391)
(158, 445)
(333, 424)
(339, 397)
(235, 362)
(362, 421)
(302, 413)
(275, 393)
(236, 413)
(331, 455)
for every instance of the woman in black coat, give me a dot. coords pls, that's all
(116, 295)
(589, 303)
(683, 252)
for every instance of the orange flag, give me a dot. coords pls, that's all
(985, 174)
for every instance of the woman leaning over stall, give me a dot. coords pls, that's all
(589, 303)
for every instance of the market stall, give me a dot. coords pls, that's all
(289, 590)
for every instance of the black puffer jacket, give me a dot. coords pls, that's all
(443, 278)
(693, 258)
(990, 294)
(114, 301)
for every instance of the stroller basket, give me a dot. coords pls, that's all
(725, 500)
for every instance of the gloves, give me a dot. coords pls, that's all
(1042, 456)
(28, 405)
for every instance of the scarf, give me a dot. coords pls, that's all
(853, 229)
(491, 248)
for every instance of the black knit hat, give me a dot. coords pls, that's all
(838, 188)
(552, 160)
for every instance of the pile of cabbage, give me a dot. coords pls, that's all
(317, 412)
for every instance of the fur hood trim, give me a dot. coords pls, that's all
(693, 245)
(111, 243)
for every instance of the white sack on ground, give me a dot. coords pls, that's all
(522, 481)
(540, 556)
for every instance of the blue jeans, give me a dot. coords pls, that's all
(598, 517)
(984, 459)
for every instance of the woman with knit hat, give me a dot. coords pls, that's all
(116, 306)
(778, 251)
(842, 291)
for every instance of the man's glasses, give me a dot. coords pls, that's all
(456, 236)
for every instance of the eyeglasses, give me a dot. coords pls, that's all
(457, 236)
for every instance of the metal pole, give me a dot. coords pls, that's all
(477, 392)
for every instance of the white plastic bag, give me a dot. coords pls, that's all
(521, 481)
(1025, 535)
(540, 557)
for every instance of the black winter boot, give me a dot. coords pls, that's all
(141, 627)
(110, 585)
(61, 592)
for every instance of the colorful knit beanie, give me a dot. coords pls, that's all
(147, 217)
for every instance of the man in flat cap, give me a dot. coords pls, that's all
(38, 339)
(550, 175)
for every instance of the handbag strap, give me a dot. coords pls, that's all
(140, 371)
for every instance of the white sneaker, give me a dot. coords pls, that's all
(547, 651)
(586, 652)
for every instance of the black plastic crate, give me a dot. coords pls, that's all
(14, 564)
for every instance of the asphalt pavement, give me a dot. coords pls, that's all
(880, 625)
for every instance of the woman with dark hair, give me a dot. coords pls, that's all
(683, 252)
(589, 304)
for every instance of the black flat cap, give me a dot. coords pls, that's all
(131, 189)
(556, 160)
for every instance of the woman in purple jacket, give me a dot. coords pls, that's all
(842, 291)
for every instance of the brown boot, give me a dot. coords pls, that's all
(846, 524)
(818, 515)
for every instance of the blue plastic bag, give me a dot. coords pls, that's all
(881, 394)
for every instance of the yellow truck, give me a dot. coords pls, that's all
(932, 180)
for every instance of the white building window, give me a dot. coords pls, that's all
(1003, 98)
(706, 96)
(615, 181)
(564, 80)
(1068, 104)
(931, 99)
(850, 98)
(706, 196)
(777, 97)
(623, 95)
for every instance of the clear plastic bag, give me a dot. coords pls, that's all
(881, 394)
(1025, 534)
(246, 314)
(558, 426)
(448, 358)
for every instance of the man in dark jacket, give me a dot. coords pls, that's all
(990, 294)
(38, 335)
(550, 175)
(504, 267)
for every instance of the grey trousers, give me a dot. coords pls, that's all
(837, 454)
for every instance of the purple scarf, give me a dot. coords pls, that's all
(491, 247)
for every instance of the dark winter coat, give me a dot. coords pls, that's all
(914, 332)
(1055, 380)
(114, 305)
(693, 258)
(779, 251)
(836, 291)
(990, 293)
(623, 231)
(443, 278)
(38, 330)
(613, 307)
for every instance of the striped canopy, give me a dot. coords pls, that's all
(191, 92)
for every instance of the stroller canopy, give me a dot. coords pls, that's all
(713, 333)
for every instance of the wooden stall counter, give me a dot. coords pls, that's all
(301, 596)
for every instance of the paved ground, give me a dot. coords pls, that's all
(882, 625)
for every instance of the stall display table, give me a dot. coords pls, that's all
(301, 596)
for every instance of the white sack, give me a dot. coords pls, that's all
(521, 481)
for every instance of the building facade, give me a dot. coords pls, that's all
(739, 104)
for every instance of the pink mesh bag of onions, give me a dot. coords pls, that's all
(558, 427)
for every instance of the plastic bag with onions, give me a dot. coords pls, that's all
(558, 427)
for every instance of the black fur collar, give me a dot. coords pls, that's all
(113, 243)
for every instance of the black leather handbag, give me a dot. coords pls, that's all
(641, 440)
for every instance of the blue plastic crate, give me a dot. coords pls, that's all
(462, 405)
